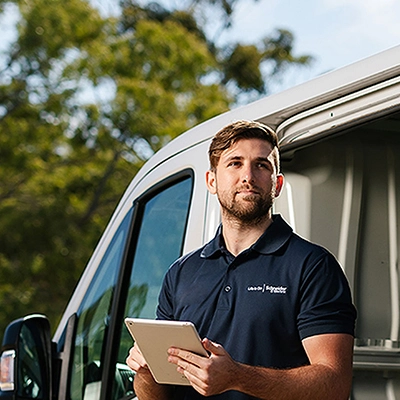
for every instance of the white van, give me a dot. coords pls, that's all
(340, 144)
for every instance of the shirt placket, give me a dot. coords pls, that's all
(227, 289)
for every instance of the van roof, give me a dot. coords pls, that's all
(275, 109)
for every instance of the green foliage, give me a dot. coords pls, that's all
(278, 49)
(85, 99)
(49, 28)
(243, 66)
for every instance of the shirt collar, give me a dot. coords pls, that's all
(275, 236)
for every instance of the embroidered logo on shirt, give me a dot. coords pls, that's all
(264, 288)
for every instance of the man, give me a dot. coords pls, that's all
(274, 310)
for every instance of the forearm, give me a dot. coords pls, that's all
(146, 388)
(312, 382)
(328, 376)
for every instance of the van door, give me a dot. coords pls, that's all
(93, 318)
(166, 218)
(158, 232)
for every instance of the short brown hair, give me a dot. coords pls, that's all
(230, 134)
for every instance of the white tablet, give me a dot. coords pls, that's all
(155, 337)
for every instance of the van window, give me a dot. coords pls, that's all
(93, 318)
(159, 243)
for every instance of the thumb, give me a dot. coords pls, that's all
(212, 347)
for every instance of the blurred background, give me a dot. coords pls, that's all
(89, 90)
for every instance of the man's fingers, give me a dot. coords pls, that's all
(175, 355)
(213, 348)
(135, 359)
(132, 364)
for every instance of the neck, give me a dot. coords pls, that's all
(239, 236)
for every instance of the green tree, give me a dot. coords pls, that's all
(85, 99)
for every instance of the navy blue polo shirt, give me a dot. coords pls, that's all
(262, 303)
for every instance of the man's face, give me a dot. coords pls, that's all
(246, 181)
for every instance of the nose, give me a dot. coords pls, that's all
(248, 175)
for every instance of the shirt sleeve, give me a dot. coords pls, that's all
(325, 300)
(165, 307)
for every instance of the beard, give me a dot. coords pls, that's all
(248, 210)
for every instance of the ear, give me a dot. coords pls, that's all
(279, 185)
(211, 182)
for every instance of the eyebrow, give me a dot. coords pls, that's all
(258, 159)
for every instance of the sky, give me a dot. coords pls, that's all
(335, 32)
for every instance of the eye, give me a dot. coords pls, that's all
(262, 165)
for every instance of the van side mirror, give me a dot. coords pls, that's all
(26, 359)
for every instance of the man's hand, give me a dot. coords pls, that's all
(136, 361)
(146, 388)
(209, 376)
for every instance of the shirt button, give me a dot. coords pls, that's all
(227, 288)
